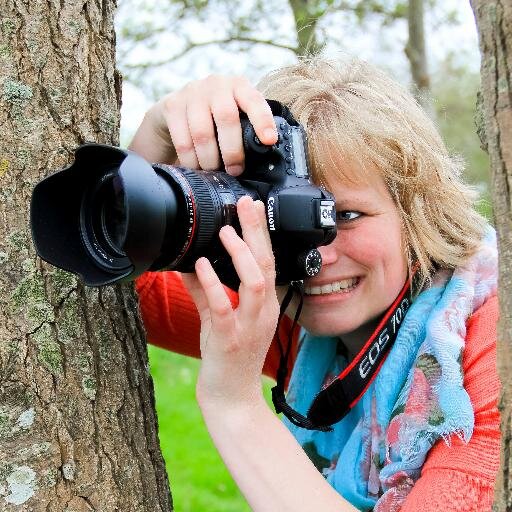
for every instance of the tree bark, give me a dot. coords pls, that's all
(416, 52)
(78, 429)
(494, 23)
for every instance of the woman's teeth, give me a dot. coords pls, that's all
(338, 286)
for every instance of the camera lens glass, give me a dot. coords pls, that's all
(113, 216)
(104, 222)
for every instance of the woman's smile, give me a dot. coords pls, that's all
(336, 291)
(341, 285)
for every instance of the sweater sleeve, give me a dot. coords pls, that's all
(461, 477)
(172, 322)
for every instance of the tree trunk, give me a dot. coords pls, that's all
(416, 52)
(305, 24)
(494, 23)
(78, 428)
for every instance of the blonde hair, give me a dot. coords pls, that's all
(352, 110)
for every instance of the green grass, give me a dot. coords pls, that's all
(198, 477)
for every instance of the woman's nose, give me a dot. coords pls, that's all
(328, 253)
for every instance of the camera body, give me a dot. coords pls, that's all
(110, 216)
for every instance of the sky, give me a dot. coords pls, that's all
(380, 46)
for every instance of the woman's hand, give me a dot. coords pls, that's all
(234, 342)
(179, 129)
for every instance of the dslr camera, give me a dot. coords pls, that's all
(111, 215)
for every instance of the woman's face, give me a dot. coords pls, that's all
(364, 268)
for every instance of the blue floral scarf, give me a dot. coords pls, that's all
(417, 397)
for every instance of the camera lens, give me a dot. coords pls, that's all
(113, 214)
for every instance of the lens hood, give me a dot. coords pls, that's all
(63, 215)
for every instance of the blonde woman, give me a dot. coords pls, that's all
(424, 433)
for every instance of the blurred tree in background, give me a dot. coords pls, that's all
(299, 27)
(162, 44)
(307, 36)
(454, 88)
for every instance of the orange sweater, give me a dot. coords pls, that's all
(456, 478)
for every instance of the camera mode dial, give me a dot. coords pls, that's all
(310, 262)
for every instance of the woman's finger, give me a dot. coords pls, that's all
(218, 303)
(252, 102)
(194, 288)
(175, 114)
(252, 283)
(200, 124)
(255, 233)
(229, 131)
(253, 221)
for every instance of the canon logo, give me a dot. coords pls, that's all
(270, 213)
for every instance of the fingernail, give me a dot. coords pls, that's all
(245, 197)
(270, 133)
(202, 263)
(259, 205)
(227, 230)
(234, 170)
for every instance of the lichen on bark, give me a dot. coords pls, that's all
(16, 95)
(29, 298)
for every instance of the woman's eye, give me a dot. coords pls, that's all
(347, 215)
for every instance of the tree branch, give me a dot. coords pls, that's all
(191, 46)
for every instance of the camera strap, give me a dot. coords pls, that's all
(335, 400)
